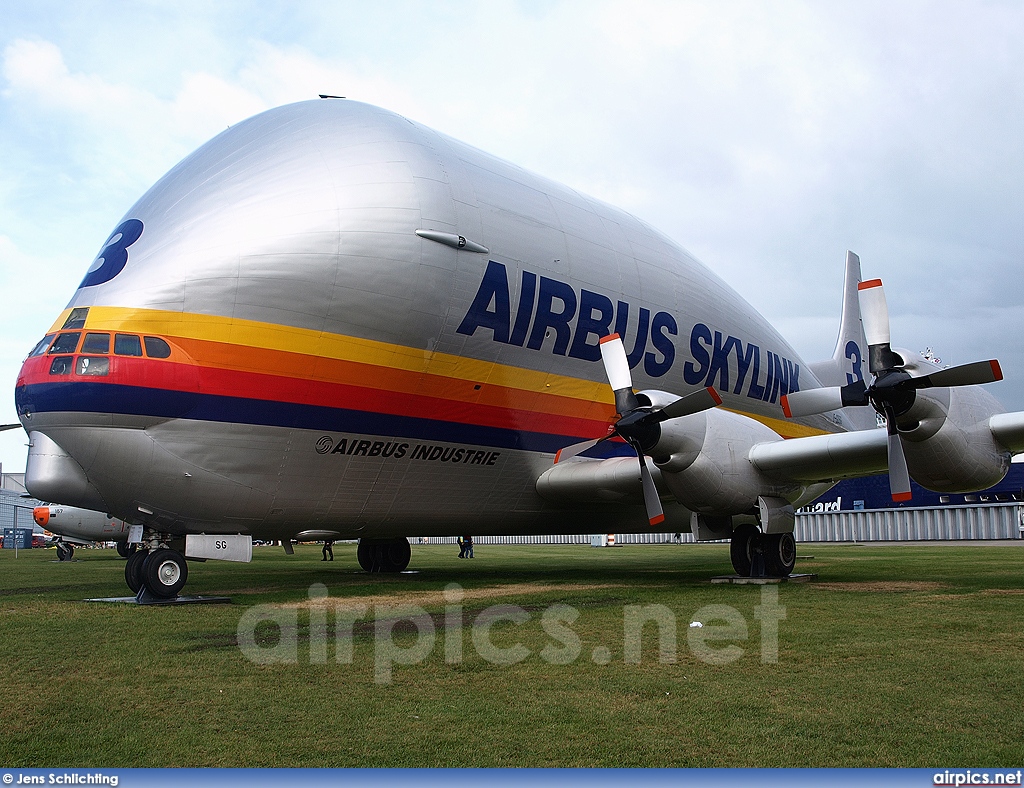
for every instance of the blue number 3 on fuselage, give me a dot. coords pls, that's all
(114, 255)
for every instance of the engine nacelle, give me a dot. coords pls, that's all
(703, 461)
(948, 443)
(946, 437)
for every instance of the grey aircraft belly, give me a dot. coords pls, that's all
(332, 321)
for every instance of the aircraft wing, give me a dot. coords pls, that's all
(823, 458)
(1008, 430)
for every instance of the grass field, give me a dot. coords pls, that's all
(897, 656)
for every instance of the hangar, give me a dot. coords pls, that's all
(15, 510)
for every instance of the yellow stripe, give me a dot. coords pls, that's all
(273, 336)
(787, 429)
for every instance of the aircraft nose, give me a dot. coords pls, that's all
(51, 474)
(41, 514)
(22, 401)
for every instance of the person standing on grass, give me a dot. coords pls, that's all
(462, 546)
(328, 550)
(467, 546)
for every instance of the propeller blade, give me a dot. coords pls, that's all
(974, 374)
(855, 394)
(899, 476)
(874, 313)
(652, 501)
(704, 399)
(4, 427)
(616, 368)
(578, 448)
(811, 402)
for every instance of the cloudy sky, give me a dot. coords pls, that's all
(766, 138)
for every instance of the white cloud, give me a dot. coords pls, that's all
(207, 104)
(120, 133)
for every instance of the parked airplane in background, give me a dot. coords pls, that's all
(74, 526)
(332, 322)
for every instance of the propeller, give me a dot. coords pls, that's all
(893, 390)
(4, 427)
(638, 424)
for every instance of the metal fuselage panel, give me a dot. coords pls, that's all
(329, 368)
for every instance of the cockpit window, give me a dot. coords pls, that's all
(44, 343)
(77, 318)
(65, 343)
(95, 365)
(156, 347)
(61, 365)
(127, 345)
(96, 343)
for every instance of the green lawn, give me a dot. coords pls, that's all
(896, 656)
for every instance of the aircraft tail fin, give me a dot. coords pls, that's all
(848, 362)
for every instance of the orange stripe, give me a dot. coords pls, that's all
(219, 355)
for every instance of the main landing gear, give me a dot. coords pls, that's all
(65, 551)
(155, 570)
(755, 554)
(384, 555)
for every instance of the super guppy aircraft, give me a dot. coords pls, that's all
(331, 322)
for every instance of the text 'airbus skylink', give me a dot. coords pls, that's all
(330, 322)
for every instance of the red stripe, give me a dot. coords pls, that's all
(870, 283)
(608, 338)
(904, 496)
(996, 370)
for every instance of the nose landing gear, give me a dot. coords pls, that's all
(164, 573)
(155, 571)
